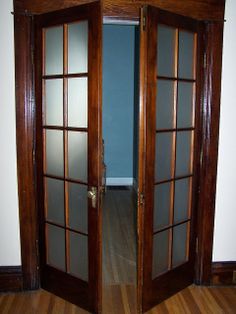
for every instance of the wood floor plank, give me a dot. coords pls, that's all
(120, 299)
(119, 243)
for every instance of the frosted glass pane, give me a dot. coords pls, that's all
(54, 50)
(54, 152)
(183, 153)
(163, 156)
(55, 200)
(56, 247)
(77, 155)
(162, 204)
(185, 105)
(54, 102)
(160, 253)
(78, 102)
(179, 245)
(166, 37)
(78, 213)
(78, 47)
(79, 255)
(165, 104)
(186, 54)
(181, 200)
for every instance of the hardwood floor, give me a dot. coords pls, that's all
(119, 270)
(120, 299)
(119, 243)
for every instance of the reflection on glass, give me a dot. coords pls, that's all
(162, 205)
(184, 153)
(160, 253)
(77, 102)
(78, 213)
(179, 255)
(54, 152)
(182, 194)
(79, 255)
(54, 50)
(185, 105)
(77, 155)
(54, 102)
(55, 200)
(165, 104)
(163, 156)
(56, 246)
(78, 47)
(166, 37)
(186, 54)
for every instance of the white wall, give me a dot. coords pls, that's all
(9, 220)
(225, 220)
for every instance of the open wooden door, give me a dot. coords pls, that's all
(168, 142)
(69, 143)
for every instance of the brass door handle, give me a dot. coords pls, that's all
(92, 194)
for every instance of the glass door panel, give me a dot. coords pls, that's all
(78, 47)
(78, 155)
(66, 149)
(53, 43)
(53, 102)
(174, 147)
(69, 85)
(170, 138)
(54, 201)
(78, 102)
(78, 207)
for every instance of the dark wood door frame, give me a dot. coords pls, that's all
(25, 127)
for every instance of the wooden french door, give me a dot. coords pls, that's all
(169, 110)
(69, 142)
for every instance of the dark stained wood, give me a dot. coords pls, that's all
(210, 111)
(67, 287)
(25, 126)
(223, 273)
(156, 290)
(141, 155)
(88, 295)
(11, 278)
(208, 10)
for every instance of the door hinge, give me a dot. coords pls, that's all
(140, 199)
(37, 252)
(144, 22)
(196, 245)
(205, 61)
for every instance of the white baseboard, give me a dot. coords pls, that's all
(119, 181)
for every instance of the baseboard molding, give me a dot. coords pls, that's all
(11, 278)
(223, 273)
(119, 181)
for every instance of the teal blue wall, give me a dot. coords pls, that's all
(118, 99)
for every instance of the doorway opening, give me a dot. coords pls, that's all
(120, 129)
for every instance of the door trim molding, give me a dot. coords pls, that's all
(25, 141)
(210, 112)
(25, 126)
(10, 278)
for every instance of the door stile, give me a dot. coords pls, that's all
(141, 153)
(150, 155)
(95, 161)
